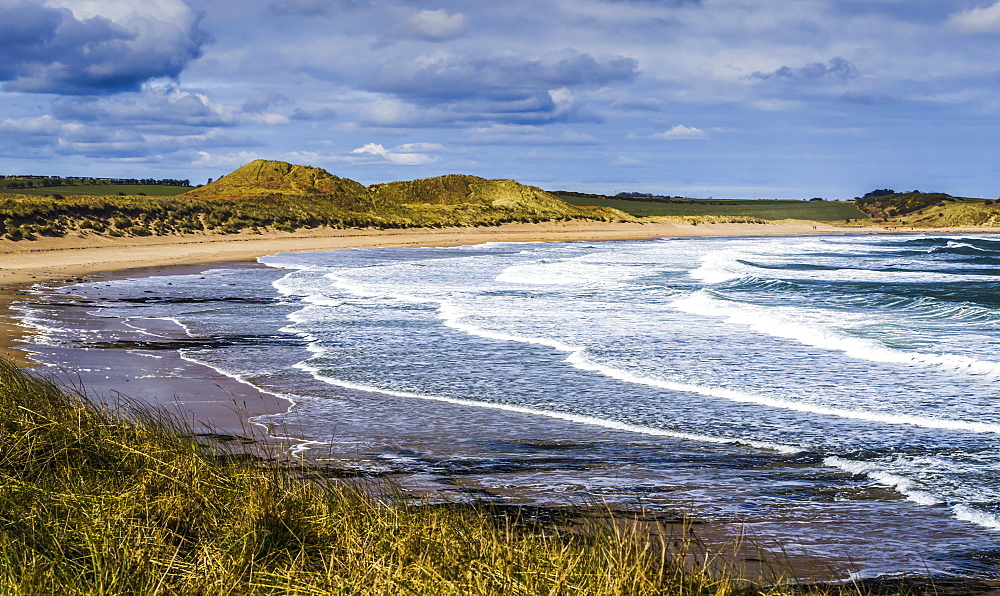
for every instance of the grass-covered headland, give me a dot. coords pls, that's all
(928, 209)
(126, 500)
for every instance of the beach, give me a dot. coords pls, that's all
(553, 452)
(25, 263)
(52, 259)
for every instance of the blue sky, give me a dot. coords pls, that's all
(723, 98)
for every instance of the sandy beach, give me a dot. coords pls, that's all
(225, 404)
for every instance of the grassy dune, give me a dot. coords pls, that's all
(267, 196)
(930, 210)
(95, 500)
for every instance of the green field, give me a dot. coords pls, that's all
(102, 190)
(763, 209)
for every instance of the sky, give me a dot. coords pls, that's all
(700, 98)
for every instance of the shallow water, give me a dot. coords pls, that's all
(842, 382)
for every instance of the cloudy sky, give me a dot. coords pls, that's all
(723, 98)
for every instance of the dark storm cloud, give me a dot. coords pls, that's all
(49, 50)
(448, 90)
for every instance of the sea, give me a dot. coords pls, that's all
(836, 393)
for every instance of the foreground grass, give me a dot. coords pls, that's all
(127, 501)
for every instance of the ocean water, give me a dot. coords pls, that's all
(760, 378)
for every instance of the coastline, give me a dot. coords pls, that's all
(227, 404)
(56, 263)
(56, 259)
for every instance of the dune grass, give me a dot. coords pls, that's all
(96, 499)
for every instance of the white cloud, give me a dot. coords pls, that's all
(410, 154)
(647, 104)
(268, 118)
(390, 112)
(680, 133)
(977, 20)
(677, 133)
(173, 11)
(228, 161)
(626, 161)
(436, 25)
(41, 125)
(509, 134)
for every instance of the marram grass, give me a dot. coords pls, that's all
(125, 500)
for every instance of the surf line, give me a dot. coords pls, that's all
(576, 418)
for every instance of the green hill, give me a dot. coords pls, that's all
(457, 193)
(277, 196)
(928, 210)
(263, 177)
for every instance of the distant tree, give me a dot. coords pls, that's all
(880, 192)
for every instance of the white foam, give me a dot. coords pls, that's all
(811, 328)
(565, 273)
(734, 262)
(580, 361)
(577, 418)
(458, 318)
(903, 485)
(977, 516)
(454, 317)
(290, 397)
(953, 244)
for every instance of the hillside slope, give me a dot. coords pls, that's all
(929, 210)
(277, 196)
(456, 193)
(263, 177)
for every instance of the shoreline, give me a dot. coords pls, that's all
(216, 408)
(25, 263)
(63, 260)
(230, 403)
